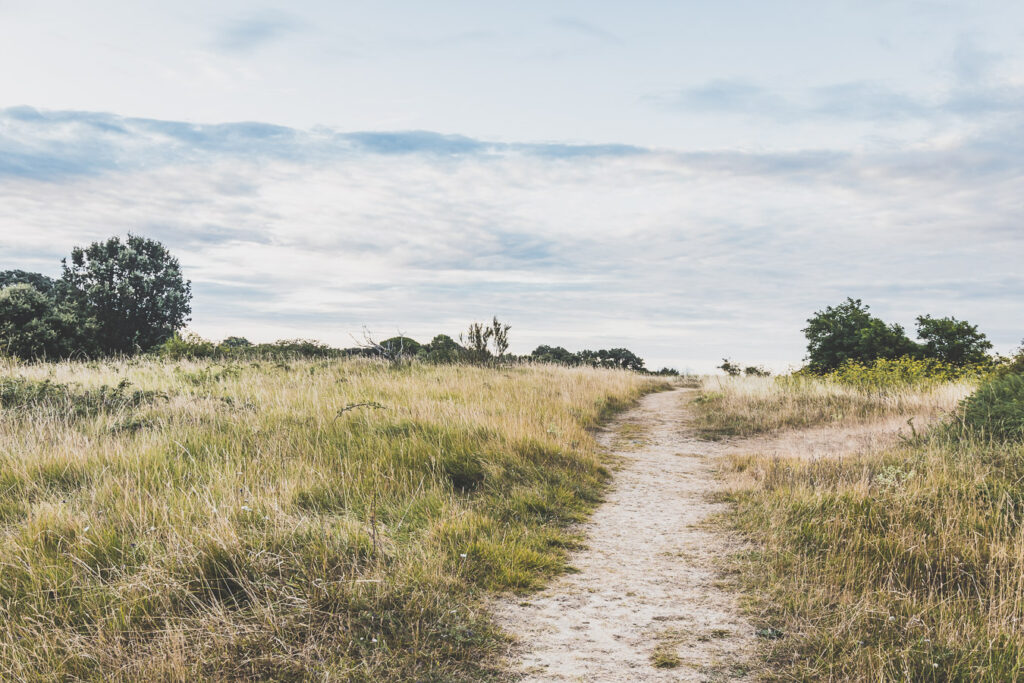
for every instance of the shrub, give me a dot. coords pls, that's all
(901, 372)
(34, 325)
(402, 346)
(236, 343)
(730, 368)
(19, 393)
(442, 349)
(996, 409)
(189, 345)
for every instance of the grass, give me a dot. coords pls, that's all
(745, 406)
(903, 564)
(193, 520)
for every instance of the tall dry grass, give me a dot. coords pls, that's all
(236, 522)
(904, 564)
(745, 406)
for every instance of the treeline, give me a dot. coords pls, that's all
(129, 297)
(473, 347)
(849, 336)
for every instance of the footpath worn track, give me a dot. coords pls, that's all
(646, 592)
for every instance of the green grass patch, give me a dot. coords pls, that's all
(903, 565)
(277, 536)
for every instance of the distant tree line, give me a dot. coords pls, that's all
(125, 297)
(478, 345)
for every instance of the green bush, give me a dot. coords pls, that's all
(34, 325)
(20, 393)
(996, 409)
(901, 372)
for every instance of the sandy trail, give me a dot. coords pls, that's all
(647, 580)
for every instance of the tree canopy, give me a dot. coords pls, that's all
(953, 341)
(849, 333)
(134, 290)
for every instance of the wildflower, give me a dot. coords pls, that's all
(462, 554)
(246, 507)
(86, 529)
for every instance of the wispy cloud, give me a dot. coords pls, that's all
(971, 94)
(249, 32)
(586, 29)
(683, 256)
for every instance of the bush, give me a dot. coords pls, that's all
(19, 393)
(189, 345)
(442, 349)
(901, 372)
(996, 409)
(34, 325)
(402, 346)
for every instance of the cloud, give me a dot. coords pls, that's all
(682, 256)
(586, 29)
(250, 32)
(724, 95)
(54, 145)
(970, 96)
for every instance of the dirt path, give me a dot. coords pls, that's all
(646, 590)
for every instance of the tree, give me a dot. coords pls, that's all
(848, 332)
(34, 325)
(235, 343)
(729, 367)
(953, 341)
(42, 283)
(443, 349)
(554, 354)
(402, 346)
(622, 358)
(133, 289)
(499, 337)
(475, 341)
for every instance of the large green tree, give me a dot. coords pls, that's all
(956, 342)
(848, 332)
(134, 290)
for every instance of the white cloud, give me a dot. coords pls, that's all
(681, 257)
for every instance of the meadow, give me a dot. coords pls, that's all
(905, 563)
(285, 519)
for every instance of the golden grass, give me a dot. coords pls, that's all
(745, 406)
(900, 564)
(237, 527)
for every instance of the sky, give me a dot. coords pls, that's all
(690, 180)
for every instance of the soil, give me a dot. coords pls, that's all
(646, 602)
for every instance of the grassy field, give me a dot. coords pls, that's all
(195, 521)
(906, 564)
(745, 406)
